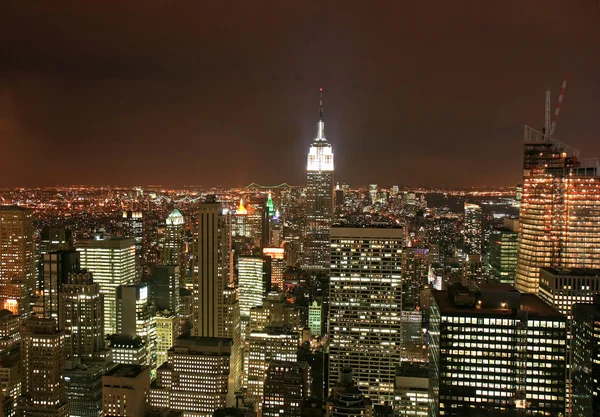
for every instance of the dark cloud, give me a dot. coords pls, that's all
(226, 92)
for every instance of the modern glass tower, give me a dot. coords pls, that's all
(319, 200)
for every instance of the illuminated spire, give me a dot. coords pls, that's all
(270, 206)
(241, 209)
(321, 125)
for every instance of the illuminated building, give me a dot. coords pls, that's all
(286, 389)
(9, 331)
(253, 282)
(365, 295)
(174, 245)
(270, 206)
(124, 391)
(54, 239)
(411, 390)
(165, 282)
(496, 349)
(239, 221)
(134, 227)
(585, 365)
(278, 265)
(275, 312)
(473, 229)
(195, 378)
(319, 200)
(346, 398)
(17, 261)
(82, 316)
(230, 312)
(559, 223)
(415, 270)
(128, 350)
(211, 272)
(135, 318)
(562, 288)
(257, 222)
(167, 330)
(55, 268)
(373, 193)
(43, 360)
(11, 377)
(271, 344)
(472, 271)
(412, 336)
(112, 263)
(315, 319)
(84, 387)
(503, 252)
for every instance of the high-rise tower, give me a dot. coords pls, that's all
(319, 199)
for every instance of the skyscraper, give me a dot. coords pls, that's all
(82, 316)
(174, 245)
(473, 229)
(365, 295)
(559, 224)
(124, 390)
(43, 361)
(17, 262)
(55, 269)
(165, 282)
(496, 349)
(253, 282)
(503, 252)
(415, 270)
(211, 273)
(319, 200)
(286, 389)
(112, 263)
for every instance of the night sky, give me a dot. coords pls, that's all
(226, 93)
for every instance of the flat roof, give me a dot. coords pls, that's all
(579, 272)
(529, 302)
(126, 370)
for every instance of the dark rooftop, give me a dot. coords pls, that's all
(126, 370)
(580, 272)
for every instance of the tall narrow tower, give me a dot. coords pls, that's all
(319, 199)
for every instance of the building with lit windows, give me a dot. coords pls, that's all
(83, 383)
(11, 376)
(562, 288)
(319, 200)
(124, 391)
(286, 388)
(275, 312)
(496, 349)
(112, 263)
(211, 269)
(55, 268)
(559, 221)
(346, 399)
(503, 252)
(278, 266)
(43, 360)
(9, 332)
(127, 350)
(270, 344)
(136, 317)
(167, 330)
(585, 362)
(82, 316)
(365, 295)
(472, 229)
(174, 245)
(315, 318)
(253, 282)
(134, 228)
(195, 378)
(17, 260)
(415, 270)
(411, 390)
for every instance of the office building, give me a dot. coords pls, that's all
(11, 375)
(365, 295)
(112, 263)
(195, 378)
(55, 268)
(128, 350)
(136, 317)
(82, 316)
(124, 391)
(411, 389)
(496, 349)
(278, 266)
(585, 365)
(286, 389)
(319, 200)
(174, 245)
(211, 272)
(134, 228)
(275, 312)
(83, 382)
(17, 260)
(472, 229)
(413, 343)
(503, 252)
(559, 221)
(167, 330)
(166, 284)
(54, 239)
(253, 282)
(346, 399)
(315, 319)
(43, 361)
(270, 344)
(415, 271)
(10, 335)
(563, 288)
(472, 271)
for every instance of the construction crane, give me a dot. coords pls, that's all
(550, 126)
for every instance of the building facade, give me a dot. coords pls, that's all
(286, 389)
(124, 391)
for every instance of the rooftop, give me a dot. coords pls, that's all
(579, 272)
(126, 371)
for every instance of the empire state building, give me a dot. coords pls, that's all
(319, 200)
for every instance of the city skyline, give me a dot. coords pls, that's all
(444, 88)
